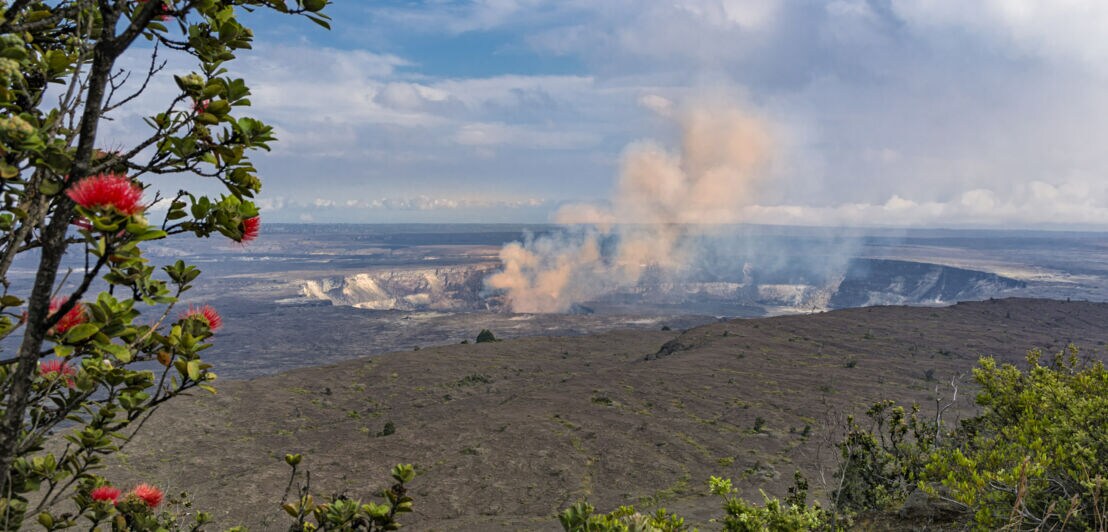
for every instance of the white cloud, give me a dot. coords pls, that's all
(1057, 29)
(939, 112)
(500, 134)
(1034, 205)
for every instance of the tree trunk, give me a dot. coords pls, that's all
(53, 249)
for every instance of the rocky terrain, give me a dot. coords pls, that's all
(754, 290)
(505, 434)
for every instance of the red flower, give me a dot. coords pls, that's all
(55, 368)
(201, 106)
(162, 9)
(104, 191)
(74, 317)
(205, 313)
(104, 494)
(150, 495)
(250, 228)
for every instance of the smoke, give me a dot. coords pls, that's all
(662, 201)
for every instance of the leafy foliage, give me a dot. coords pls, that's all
(341, 513)
(1034, 458)
(581, 517)
(882, 463)
(93, 366)
(774, 515)
(1037, 456)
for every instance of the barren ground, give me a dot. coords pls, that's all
(506, 434)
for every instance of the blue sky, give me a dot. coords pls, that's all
(936, 113)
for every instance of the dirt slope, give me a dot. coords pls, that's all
(506, 434)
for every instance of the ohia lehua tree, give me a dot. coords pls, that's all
(77, 362)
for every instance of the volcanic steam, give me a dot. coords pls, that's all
(663, 198)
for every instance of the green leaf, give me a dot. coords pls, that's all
(49, 187)
(81, 332)
(154, 234)
(207, 118)
(120, 352)
(193, 368)
(219, 107)
(320, 21)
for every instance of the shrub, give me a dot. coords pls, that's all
(581, 517)
(791, 515)
(759, 425)
(882, 461)
(1037, 456)
(485, 336)
(340, 512)
(1034, 458)
(774, 515)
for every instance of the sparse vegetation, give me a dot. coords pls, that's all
(485, 336)
(759, 425)
(388, 430)
(473, 379)
(1034, 458)
(602, 400)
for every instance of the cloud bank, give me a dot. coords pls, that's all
(884, 112)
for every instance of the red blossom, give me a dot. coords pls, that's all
(205, 313)
(150, 495)
(104, 494)
(163, 10)
(250, 228)
(74, 317)
(55, 368)
(104, 191)
(201, 105)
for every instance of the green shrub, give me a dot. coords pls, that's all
(882, 462)
(1034, 458)
(791, 515)
(485, 336)
(339, 512)
(581, 517)
(1037, 456)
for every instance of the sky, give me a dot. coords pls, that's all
(891, 113)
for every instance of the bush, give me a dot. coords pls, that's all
(1034, 458)
(340, 512)
(1037, 456)
(581, 517)
(485, 336)
(791, 515)
(882, 462)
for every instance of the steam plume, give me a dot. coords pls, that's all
(662, 197)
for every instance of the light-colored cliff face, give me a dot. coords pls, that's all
(865, 283)
(445, 288)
